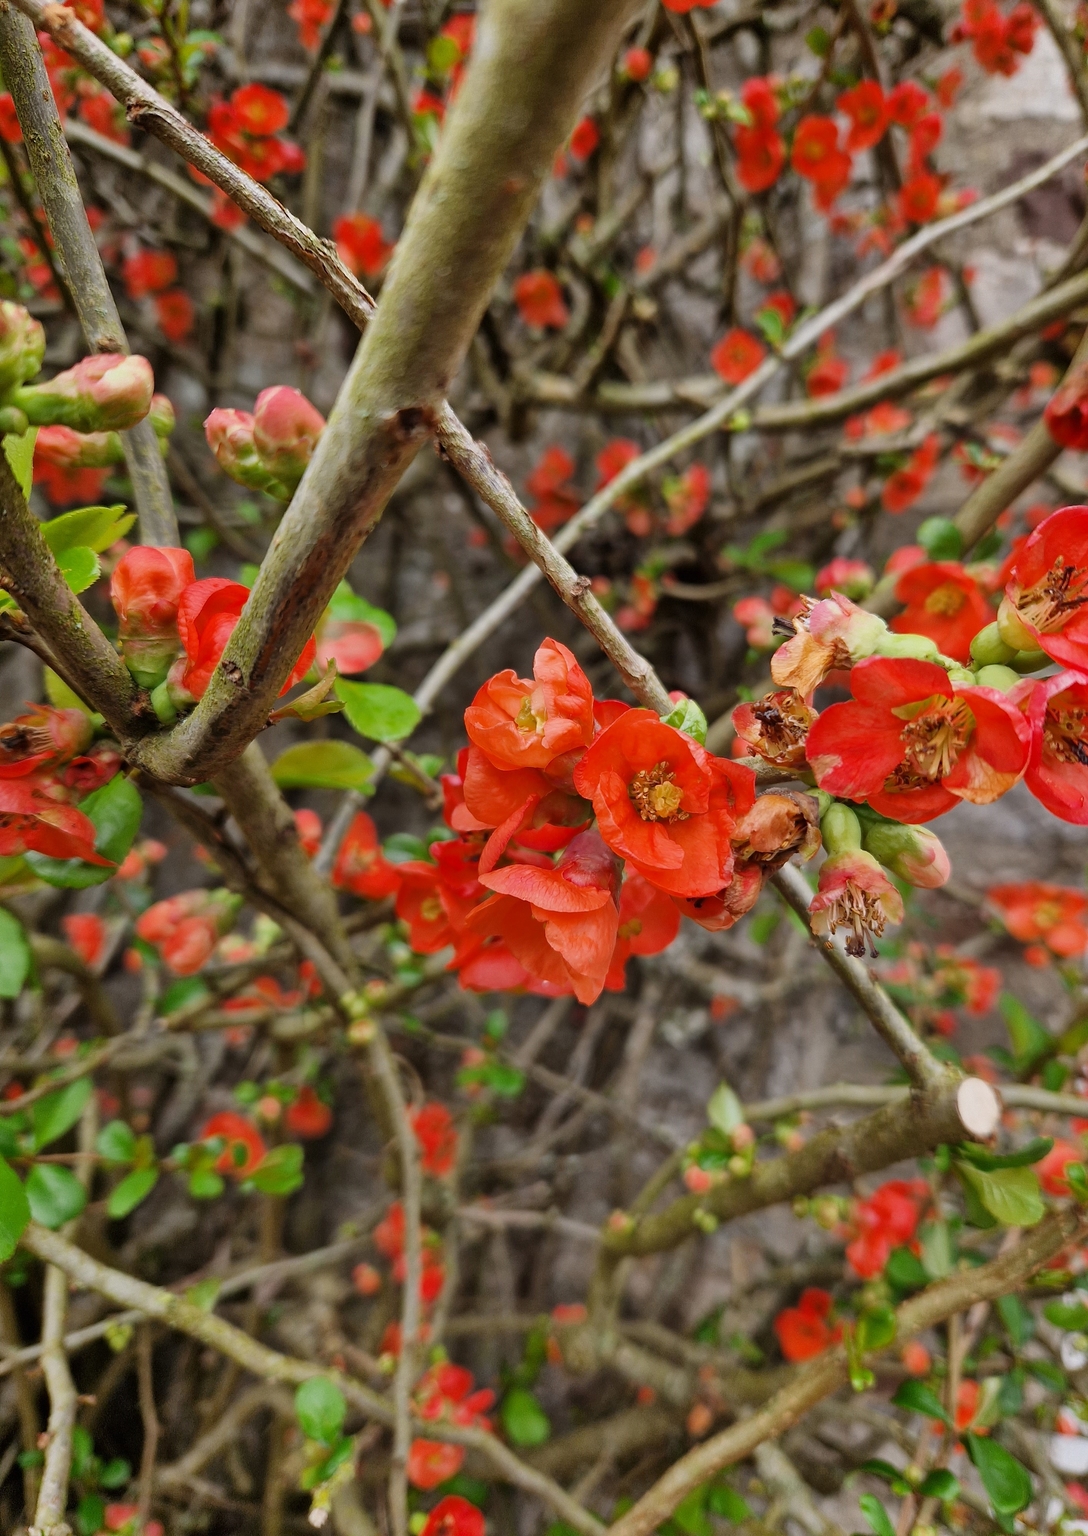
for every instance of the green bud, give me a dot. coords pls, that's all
(912, 647)
(1001, 678)
(163, 704)
(705, 1221)
(13, 420)
(840, 829)
(1030, 661)
(958, 674)
(915, 854)
(989, 650)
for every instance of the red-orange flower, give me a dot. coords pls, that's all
(1045, 600)
(309, 1116)
(175, 314)
(904, 486)
(649, 921)
(207, 614)
(918, 197)
(736, 355)
(436, 1134)
(943, 602)
(245, 1149)
(1052, 1168)
(664, 803)
(1036, 912)
(854, 893)
(804, 1331)
(431, 1462)
(1057, 710)
(360, 864)
(865, 106)
(560, 923)
(761, 155)
(815, 146)
(454, 1516)
(540, 301)
(148, 272)
(87, 933)
(884, 1220)
(523, 724)
(361, 244)
(913, 744)
(907, 101)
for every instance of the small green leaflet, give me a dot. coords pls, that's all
(523, 1419)
(940, 538)
(14, 1210)
(115, 810)
(280, 1172)
(133, 1188)
(79, 567)
(1062, 1315)
(1011, 1195)
(116, 1142)
(876, 1515)
(916, 1397)
(93, 528)
(724, 1111)
(1030, 1041)
(60, 695)
(323, 765)
(14, 955)
(875, 1328)
(688, 718)
(52, 1116)
(1004, 1478)
(20, 452)
(54, 1194)
(377, 711)
(989, 1162)
(321, 1409)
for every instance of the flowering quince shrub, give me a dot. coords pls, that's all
(388, 1048)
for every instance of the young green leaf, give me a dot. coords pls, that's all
(377, 711)
(1030, 1040)
(14, 1210)
(20, 453)
(724, 1110)
(916, 1397)
(94, 528)
(58, 1112)
(14, 955)
(688, 718)
(280, 1172)
(989, 1162)
(940, 1484)
(323, 765)
(54, 1194)
(1006, 1481)
(79, 567)
(1011, 1195)
(133, 1188)
(876, 1515)
(321, 1409)
(523, 1419)
(116, 1142)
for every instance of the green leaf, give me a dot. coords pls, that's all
(989, 1162)
(133, 1188)
(1004, 1478)
(895, 1480)
(14, 1210)
(938, 1253)
(116, 1142)
(323, 765)
(54, 1193)
(1073, 1318)
(724, 1110)
(58, 1112)
(1009, 1194)
(940, 538)
(875, 1328)
(905, 1270)
(818, 41)
(347, 607)
(14, 955)
(20, 452)
(876, 1515)
(728, 1504)
(280, 1173)
(205, 1293)
(940, 1484)
(321, 1409)
(205, 1184)
(79, 567)
(690, 1514)
(60, 695)
(91, 1509)
(688, 718)
(116, 1473)
(1045, 1371)
(916, 1397)
(377, 711)
(96, 528)
(1030, 1040)
(115, 810)
(523, 1419)
(1019, 1323)
(183, 993)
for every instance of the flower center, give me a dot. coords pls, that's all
(945, 600)
(655, 794)
(430, 909)
(784, 724)
(1050, 602)
(527, 719)
(861, 912)
(1064, 735)
(934, 739)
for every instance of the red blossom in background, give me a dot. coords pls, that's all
(175, 314)
(361, 244)
(149, 272)
(865, 106)
(310, 16)
(918, 198)
(904, 486)
(556, 499)
(360, 864)
(454, 1516)
(736, 355)
(885, 1220)
(943, 602)
(584, 139)
(245, 1149)
(1066, 413)
(805, 1330)
(308, 1116)
(540, 301)
(87, 933)
(1036, 912)
(436, 1134)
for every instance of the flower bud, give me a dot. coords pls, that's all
(915, 854)
(161, 416)
(22, 345)
(13, 420)
(1012, 629)
(989, 650)
(1001, 678)
(100, 394)
(912, 647)
(840, 829)
(854, 893)
(230, 437)
(146, 588)
(1030, 661)
(286, 428)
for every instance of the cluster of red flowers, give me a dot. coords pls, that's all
(540, 300)
(997, 41)
(248, 130)
(886, 1219)
(155, 273)
(554, 499)
(49, 761)
(72, 86)
(932, 984)
(1052, 920)
(164, 610)
(447, 1394)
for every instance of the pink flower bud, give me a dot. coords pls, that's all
(915, 854)
(100, 394)
(22, 345)
(77, 450)
(286, 428)
(146, 588)
(230, 437)
(161, 416)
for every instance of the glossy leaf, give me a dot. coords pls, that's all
(377, 711)
(14, 1210)
(95, 528)
(54, 1194)
(133, 1188)
(52, 1116)
(116, 1142)
(79, 567)
(1011, 1195)
(280, 1173)
(523, 1419)
(916, 1397)
(323, 765)
(1006, 1481)
(321, 1409)
(14, 955)
(20, 453)
(876, 1515)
